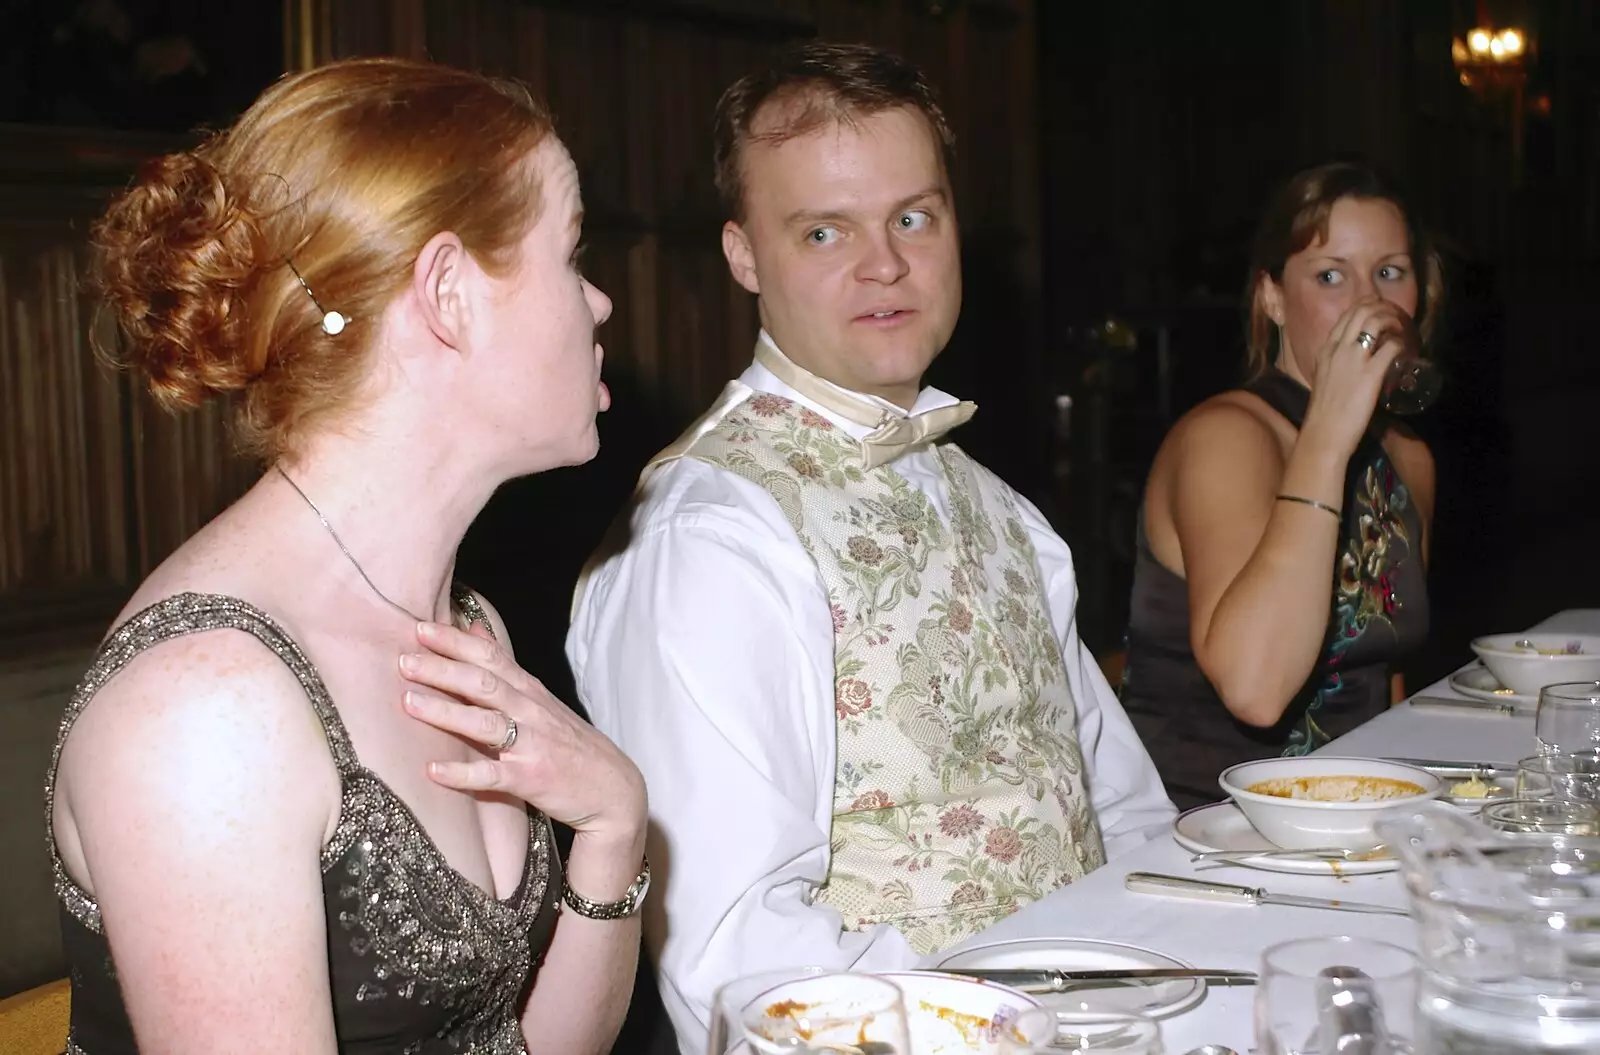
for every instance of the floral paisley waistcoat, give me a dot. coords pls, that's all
(959, 791)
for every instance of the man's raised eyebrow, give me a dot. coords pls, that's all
(923, 195)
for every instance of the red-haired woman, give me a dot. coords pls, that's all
(259, 847)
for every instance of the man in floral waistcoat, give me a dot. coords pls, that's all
(842, 652)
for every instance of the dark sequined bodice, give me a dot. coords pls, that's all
(420, 959)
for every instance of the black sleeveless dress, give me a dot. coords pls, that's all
(420, 959)
(1378, 613)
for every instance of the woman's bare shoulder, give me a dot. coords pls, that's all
(1227, 428)
(187, 726)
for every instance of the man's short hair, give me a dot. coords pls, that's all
(820, 83)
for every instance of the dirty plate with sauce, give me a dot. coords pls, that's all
(1222, 826)
(951, 1015)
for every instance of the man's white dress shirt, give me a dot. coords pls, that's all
(705, 648)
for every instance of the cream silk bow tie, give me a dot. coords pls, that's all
(892, 434)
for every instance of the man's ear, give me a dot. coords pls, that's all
(741, 258)
(438, 283)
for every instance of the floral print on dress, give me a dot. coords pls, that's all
(959, 792)
(1365, 598)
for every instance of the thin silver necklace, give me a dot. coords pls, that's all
(346, 550)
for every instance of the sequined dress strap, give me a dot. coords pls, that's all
(193, 613)
(176, 616)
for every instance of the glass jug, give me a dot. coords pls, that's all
(1508, 934)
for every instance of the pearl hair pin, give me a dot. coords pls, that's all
(333, 322)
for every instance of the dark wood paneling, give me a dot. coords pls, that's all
(98, 486)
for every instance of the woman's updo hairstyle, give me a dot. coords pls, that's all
(346, 170)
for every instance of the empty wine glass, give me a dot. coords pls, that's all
(1568, 718)
(1322, 996)
(1542, 816)
(808, 1010)
(1568, 775)
(1084, 1027)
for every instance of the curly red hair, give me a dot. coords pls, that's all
(347, 169)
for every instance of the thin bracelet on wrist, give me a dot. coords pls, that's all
(1313, 503)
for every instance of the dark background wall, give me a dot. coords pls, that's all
(1167, 125)
(1113, 158)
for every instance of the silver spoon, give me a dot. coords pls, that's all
(1211, 1049)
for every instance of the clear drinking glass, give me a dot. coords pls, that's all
(806, 1010)
(1568, 775)
(1542, 816)
(1411, 385)
(1412, 382)
(1085, 1027)
(1568, 717)
(1321, 996)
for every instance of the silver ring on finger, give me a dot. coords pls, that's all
(511, 734)
(1366, 341)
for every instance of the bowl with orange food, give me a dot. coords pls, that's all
(1324, 801)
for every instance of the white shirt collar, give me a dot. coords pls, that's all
(761, 379)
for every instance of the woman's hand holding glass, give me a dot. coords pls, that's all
(1351, 370)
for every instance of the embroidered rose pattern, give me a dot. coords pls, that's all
(812, 420)
(805, 465)
(873, 800)
(768, 406)
(959, 821)
(1003, 844)
(851, 697)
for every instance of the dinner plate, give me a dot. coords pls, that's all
(1477, 682)
(1088, 954)
(1220, 826)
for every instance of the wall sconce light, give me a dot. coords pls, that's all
(1487, 57)
(1490, 61)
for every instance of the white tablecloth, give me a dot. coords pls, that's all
(1233, 936)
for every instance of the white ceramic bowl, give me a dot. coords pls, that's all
(1551, 660)
(1304, 824)
(953, 1015)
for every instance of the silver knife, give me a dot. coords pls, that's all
(1206, 890)
(1046, 980)
(1451, 703)
(1458, 770)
